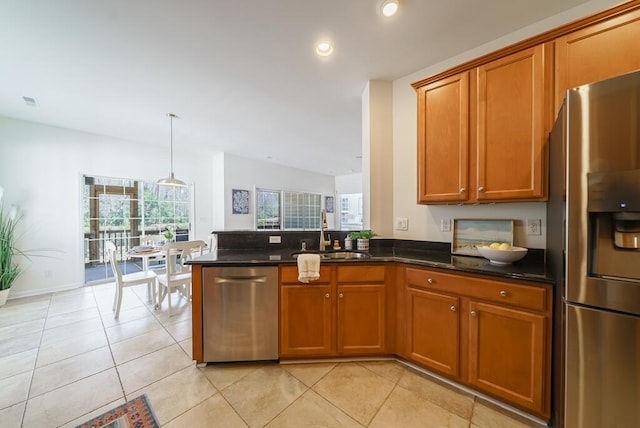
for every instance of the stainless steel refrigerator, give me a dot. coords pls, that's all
(593, 246)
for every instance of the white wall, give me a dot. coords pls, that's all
(349, 183)
(366, 158)
(377, 157)
(218, 189)
(41, 169)
(247, 174)
(424, 221)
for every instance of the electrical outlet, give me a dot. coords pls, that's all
(402, 224)
(534, 227)
(275, 239)
(445, 225)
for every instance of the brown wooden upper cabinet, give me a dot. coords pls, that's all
(600, 51)
(513, 122)
(482, 133)
(443, 140)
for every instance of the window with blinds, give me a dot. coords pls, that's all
(285, 210)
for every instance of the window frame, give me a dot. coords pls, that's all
(175, 208)
(305, 213)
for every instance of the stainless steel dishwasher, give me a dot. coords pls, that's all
(240, 313)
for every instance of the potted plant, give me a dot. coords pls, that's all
(362, 239)
(168, 233)
(9, 270)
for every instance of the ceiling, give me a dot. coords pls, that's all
(242, 75)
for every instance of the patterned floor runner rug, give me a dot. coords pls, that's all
(136, 413)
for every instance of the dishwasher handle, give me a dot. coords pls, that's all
(229, 279)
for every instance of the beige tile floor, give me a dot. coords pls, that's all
(64, 359)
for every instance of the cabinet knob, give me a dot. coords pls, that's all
(453, 308)
(474, 314)
(462, 190)
(503, 293)
(326, 295)
(341, 295)
(481, 189)
(430, 280)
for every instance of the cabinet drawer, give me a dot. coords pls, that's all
(521, 295)
(289, 275)
(361, 273)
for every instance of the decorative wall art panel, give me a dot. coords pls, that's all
(329, 204)
(240, 201)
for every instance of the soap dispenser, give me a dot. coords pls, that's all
(347, 243)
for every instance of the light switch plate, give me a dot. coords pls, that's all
(402, 223)
(445, 225)
(534, 227)
(277, 239)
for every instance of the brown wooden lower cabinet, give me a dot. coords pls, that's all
(344, 313)
(482, 333)
(306, 320)
(488, 334)
(361, 319)
(507, 353)
(433, 331)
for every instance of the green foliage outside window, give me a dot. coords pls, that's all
(159, 207)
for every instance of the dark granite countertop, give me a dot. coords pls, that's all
(436, 255)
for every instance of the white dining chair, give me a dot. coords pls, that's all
(128, 280)
(177, 276)
(212, 242)
(198, 248)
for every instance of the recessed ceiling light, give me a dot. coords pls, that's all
(389, 7)
(324, 48)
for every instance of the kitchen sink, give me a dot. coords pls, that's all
(344, 255)
(337, 255)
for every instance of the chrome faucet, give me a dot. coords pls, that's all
(323, 226)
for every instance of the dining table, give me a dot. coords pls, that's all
(146, 255)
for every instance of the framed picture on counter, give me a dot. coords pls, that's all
(468, 234)
(240, 201)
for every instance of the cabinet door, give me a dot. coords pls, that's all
(513, 117)
(597, 52)
(433, 330)
(306, 320)
(361, 319)
(507, 355)
(443, 140)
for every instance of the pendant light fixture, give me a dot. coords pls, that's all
(171, 180)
